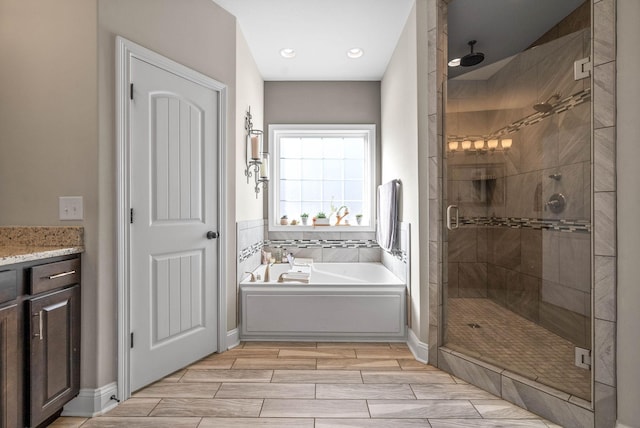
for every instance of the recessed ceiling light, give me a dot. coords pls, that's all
(454, 62)
(355, 53)
(287, 53)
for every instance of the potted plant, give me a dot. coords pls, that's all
(304, 217)
(321, 219)
(359, 219)
(284, 220)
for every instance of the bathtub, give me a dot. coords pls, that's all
(343, 301)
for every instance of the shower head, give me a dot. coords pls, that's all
(546, 106)
(472, 58)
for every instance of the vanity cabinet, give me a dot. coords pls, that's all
(39, 339)
(54, 351)
(8, 366)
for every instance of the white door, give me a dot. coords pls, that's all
(174, 250)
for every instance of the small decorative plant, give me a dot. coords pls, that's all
(358, 218)
(304, 218)
(321, 219)
(304, 215)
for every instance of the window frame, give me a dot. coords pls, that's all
(305, 130)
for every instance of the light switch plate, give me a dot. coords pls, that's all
(70, 207)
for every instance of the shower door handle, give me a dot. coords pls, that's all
(450, 224)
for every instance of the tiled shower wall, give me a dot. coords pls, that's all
(542, 275)
(513, 249)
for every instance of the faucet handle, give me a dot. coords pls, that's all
(253, 277)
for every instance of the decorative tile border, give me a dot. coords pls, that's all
(246, 253)
(563, 105)
(321, 243)
(529, 223)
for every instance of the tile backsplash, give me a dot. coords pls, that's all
(327, 247)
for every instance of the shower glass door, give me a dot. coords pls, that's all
(518, 167)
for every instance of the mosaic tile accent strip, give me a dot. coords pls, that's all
(322, 243)
(401, 255)
(561, 106)
(563, 225)
(246, 253)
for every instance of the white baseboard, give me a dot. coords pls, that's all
(233, 339)
(92, 402)
(619, 425)
(420, 350)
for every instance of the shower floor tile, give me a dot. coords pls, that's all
(515, 343)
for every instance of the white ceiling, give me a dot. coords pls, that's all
(321, 32)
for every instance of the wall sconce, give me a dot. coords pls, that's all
(506, 143)
(257, 160)
(453, 146)
(466, 145)
(492, 144)
(478, 144)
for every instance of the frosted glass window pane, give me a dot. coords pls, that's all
(312, 190)
(311, 208)
(290, 148)
(312, 148)
(318, 169)
(354, 169)
(290, 169)
(333, 189)
(312, 169)
(354, 148)
(290, 209)
(354, 208)
(333, 169)
(333, 148)
(353, 190)
(290, 190)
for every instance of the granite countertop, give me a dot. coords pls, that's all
(17, 254)
(22, 244)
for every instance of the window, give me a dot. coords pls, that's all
(322, 168)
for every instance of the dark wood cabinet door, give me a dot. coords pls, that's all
(54, 352)
(9, 367)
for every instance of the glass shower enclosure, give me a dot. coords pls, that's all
(518, 192)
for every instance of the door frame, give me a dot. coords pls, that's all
(125, 51)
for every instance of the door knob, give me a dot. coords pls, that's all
(212, 235)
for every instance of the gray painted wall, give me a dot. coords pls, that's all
(322, 102)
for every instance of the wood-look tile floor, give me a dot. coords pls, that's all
(311, 385)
